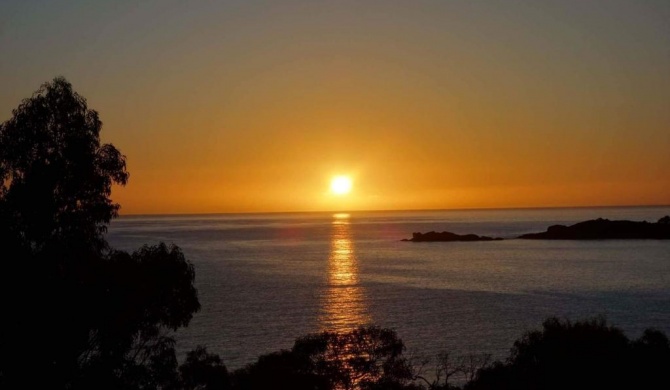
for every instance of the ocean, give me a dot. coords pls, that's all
(265, 279)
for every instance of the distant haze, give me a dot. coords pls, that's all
(245, 106)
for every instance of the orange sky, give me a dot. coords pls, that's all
(254, 106)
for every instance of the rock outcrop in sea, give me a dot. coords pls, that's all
(448, 236)
(600, 229)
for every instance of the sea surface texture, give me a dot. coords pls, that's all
(265, 279)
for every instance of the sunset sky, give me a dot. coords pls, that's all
(253, 106)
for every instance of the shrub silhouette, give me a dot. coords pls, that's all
(364, 358)
(586, 354)
(203, 371)
(582, 355)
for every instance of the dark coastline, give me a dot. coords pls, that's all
(604, 229)
(595, 229)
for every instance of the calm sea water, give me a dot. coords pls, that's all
(265, 279)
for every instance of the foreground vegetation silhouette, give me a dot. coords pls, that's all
(582, 355)
(586, 354)
(78, 314)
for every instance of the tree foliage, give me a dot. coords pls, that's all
(75, 311)
(203, 371)
(587, 354)
(582, 355)
(363, 358)
(56, 176)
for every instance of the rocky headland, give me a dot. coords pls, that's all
(600, 229)
(448, 237)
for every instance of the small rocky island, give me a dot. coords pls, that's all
(449, 237)
(600, 229)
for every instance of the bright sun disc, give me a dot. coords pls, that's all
(340, 185)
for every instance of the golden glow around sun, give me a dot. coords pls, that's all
(340, 185)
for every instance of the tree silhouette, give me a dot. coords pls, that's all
(364, 358)
(203, 371)
(73, 310)
(581, 355)
(56, 176)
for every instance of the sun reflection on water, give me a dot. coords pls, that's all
(344, 303)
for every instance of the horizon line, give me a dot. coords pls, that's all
(391, 210)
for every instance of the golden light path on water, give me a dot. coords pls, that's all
(344, 303)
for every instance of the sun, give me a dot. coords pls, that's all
(340, 185)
